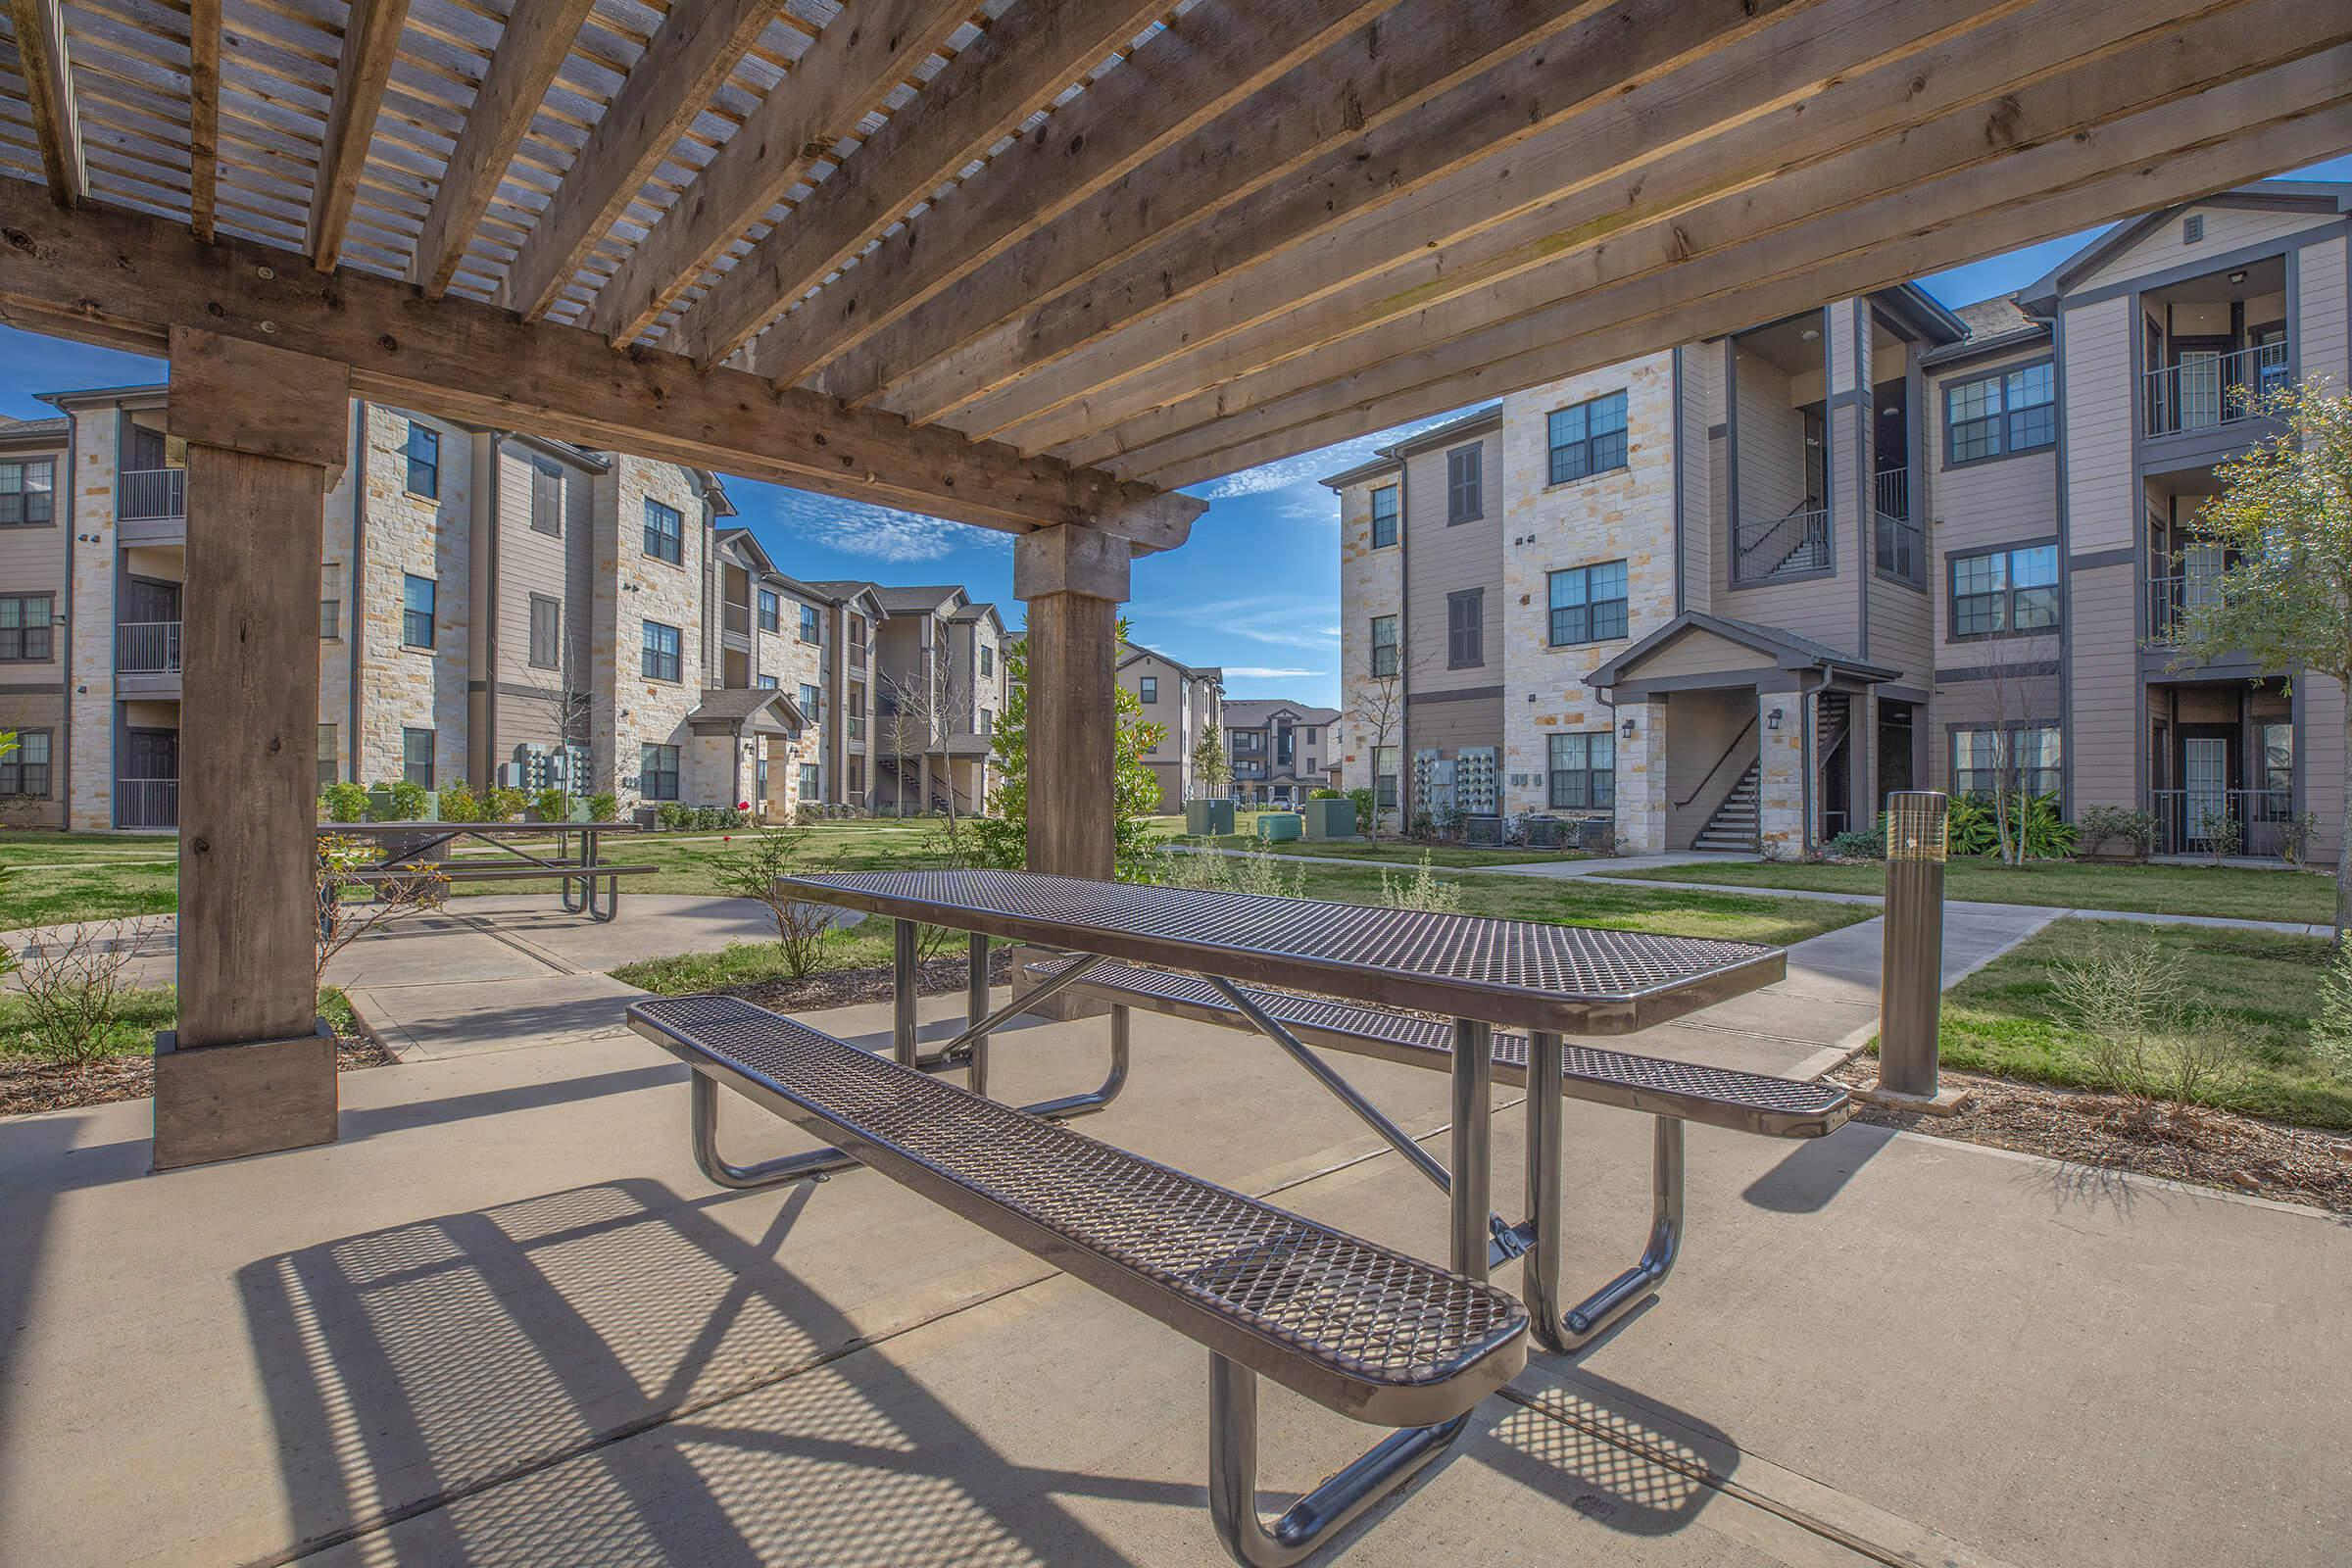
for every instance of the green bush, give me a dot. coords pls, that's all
(1858, 846)
(673, 816)
(1363, 808)
(2042, 834)
(550, 805)
(459, 803)
(2134, 832)
(604, 807)
(406, 801)
(1321, 794)
(502, 805)
(343, 802)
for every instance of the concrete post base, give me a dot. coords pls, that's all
(1059, 1009)
(1943, 1103)
(226, 1102)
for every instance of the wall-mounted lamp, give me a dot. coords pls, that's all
(1810, 333)
(1626, 730)
(1772, 720)
(2238, 276)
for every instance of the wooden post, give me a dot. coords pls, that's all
(250, 1069)
(1073, 580)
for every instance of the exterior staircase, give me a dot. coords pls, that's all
(1733, 827)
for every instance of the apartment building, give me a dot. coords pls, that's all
(1732, 592)
(1280, 751)
(937, 684)
(492, 608)
(1187, 702)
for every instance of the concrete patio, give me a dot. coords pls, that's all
(505, 1321)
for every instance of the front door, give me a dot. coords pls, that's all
(1894, 748)
(2207, 760)
(147, 794)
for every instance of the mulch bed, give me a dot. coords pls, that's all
(842, 988)
(27, 1085)
(2113, 1132)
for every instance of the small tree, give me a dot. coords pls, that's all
(342, 921)
(2017, 691)
(2283, 518)
(751, 872)
(1211, 769)
(1004, 834)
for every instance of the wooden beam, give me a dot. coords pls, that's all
(370, 43)
(851, 69)
(125, 279)
(1071, 582)
(204, 115)
(538, 36)
(1016, 68)
(42, 57)
(669, 84)
(2250, 129)
(1205, 62)
(1375, 73)
(1773, 122)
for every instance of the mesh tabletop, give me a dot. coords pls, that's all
(1529, 973)
(1372, 1321)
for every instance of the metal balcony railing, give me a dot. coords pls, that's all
(738, 617)
(1891, 493)
(2168, 597)
(1901, 548)
(858, 655)
(2210, 391)
(151, 495)
(147, 648)
(1786, 545)
(147, 803)
(2189, 821)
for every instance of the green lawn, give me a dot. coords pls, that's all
(145, 1011)
(2009, 1017)
(1392, 850)
(2235, 892)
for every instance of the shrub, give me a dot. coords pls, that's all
(1362, 798)
(75, 987)
(1969, 826)
(2295, 835)
(459, 803)
(343, 922)
(1421, 891)
(2146, 1039)
(2331, 1027)
(502, 805)
(343, 801)
(673, 817)
(2136, 831)
(1251, 868)
(1321, 794)
(1858, 846)
(751, 872)
(552, 805)
(604, 807)
(406, 802)
(2223, 834)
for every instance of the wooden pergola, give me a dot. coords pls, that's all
(1028, 265)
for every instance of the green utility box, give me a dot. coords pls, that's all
(1330, 819)
(1209, 818)
(1277, 826)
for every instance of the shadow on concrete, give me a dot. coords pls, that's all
(470, 1384)
(1815, 1172)
(1589, 1445)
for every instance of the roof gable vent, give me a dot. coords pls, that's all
(2193, 229)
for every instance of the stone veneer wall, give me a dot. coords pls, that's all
(334, 655)
(90, 631)
(1623, 514)
(1371, 584)
(1642, 802)
(632, 588)
(425, 536)
(1780, 792)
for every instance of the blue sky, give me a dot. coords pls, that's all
(1256, 590)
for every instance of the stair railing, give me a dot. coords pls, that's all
(1719, 761)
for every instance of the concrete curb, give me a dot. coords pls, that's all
(369, 1031)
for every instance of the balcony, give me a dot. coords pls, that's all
(735, 618)
(151, 495)
(147, 803)
(2169, 597)
(2190, 821)
(1796, 544)
(2207, 391)
(858, 655)
(147, 648)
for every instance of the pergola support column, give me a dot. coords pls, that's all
(1072, 581)
(250, 1069)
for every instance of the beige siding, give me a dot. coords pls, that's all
(2226, 228)
(2322, 761)
(2096, 391)
(1700, 461)
(2105, 739)
(1702, 653)
(1441, 559)
(2322, 330)
(33, 561)
(1981, 506)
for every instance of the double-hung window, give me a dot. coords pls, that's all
(28, 493)
(810, 629)
(811, 703)
(1588, 604)
(660, 658)
(658, 772)
(425, 459)
(766, 683)
(810, 788)
(1587, 438)
(416, 757)
(25, 770)
(1465, 483)
(547, 631)
(331, 601)
(2009, 411)
(988, 663)
(1465, 628)
(1386, 656)
(26, 636)
(1150, 688)
(665, 532)
(771, 611)
(1383, 516)
(2026, 754)
(1384, 778)
(1583, 771)
(2002, 592)
(328, 773)
(417, 611)
(547, 497)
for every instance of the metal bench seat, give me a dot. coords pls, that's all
(1720, 1097)
(576, 883)
(1365, 1331)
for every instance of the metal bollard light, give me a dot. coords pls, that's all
(1911, 964)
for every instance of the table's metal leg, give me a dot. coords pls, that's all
(1315, 1518)
(1472, 1192)
(1572, 1328)
(610, 907)
(816, 1163)
(959, 1051)
(1094, 1099)
(574, 905)
(902, 993)
(975, 1011)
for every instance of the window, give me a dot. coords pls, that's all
(28, 493)
(1587, 438)
(2029, 754)
(25, 770)
(2013, 411)
(1588, 604)
(416, 757)
(808, 625)
(988, 663)
(425, 459)
(26, 635)
(660, 658)
(1383, 516)
(331, 601)
(771, 612)
(547, 631)
(1311, 735)
(416, 612)
(1386, 660)
(760, 777)
(987, 723)
(1151, 685)
(811, 703)
(658, 772)
(665, 532)
(809, 788)
(1465, 628)
(1583, 771)
(1384, 778)
(2004, 591)
(766, 683)
(1465, 484)
(326, 755)
(547, 497)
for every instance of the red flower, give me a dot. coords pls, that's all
(726, 838)
(743, 806)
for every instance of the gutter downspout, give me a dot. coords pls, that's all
(65, 792)
(359, 574)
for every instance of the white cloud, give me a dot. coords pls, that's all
(1267, 673)
(879, 533)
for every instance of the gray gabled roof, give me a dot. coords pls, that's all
(1252, 712)
(2311, 195)
(1785, 648)
(730, 709)
(1388, 456)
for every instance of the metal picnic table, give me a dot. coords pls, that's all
(419, 844)
(1550, 980)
